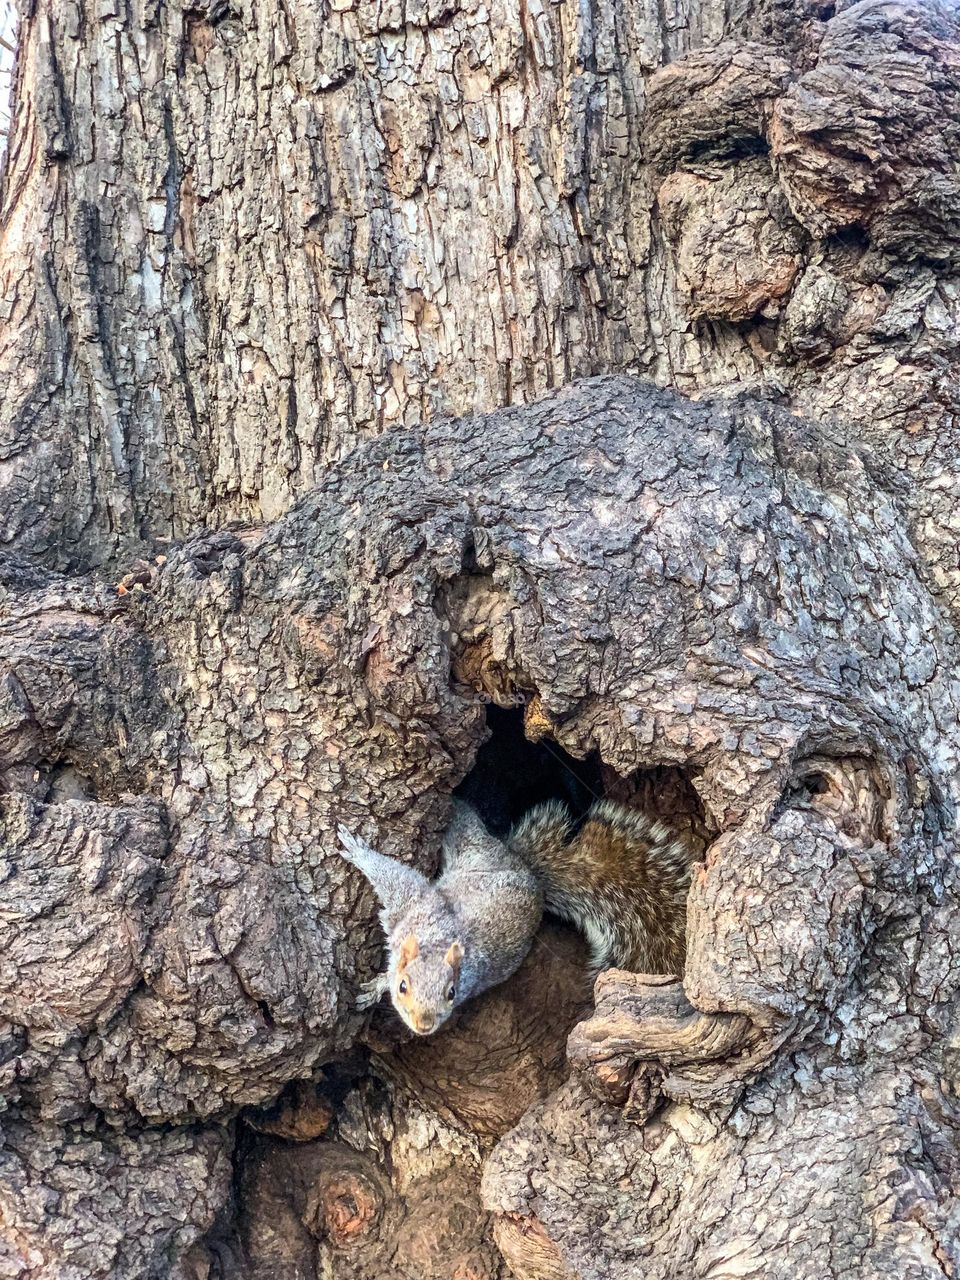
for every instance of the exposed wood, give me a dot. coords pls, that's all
(642, 1021)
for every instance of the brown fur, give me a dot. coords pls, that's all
(621, 879)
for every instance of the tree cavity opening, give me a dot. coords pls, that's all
(513, 773)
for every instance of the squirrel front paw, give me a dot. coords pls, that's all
(371, 992)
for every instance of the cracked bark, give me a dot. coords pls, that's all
(251, 257)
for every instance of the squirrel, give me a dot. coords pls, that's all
(449, 939)
(621, 879)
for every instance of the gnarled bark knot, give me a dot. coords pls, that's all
(645, 1042)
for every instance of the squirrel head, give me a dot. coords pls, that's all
(424, 983)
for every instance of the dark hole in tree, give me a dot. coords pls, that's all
(805, 790)
(513, 774)
(65, 782)
(728, 149)
(851, 239)
(48, 782)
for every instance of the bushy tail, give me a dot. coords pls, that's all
(542, 840)
(622, 880)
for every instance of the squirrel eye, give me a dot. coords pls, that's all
(451, 992)
(402, 987)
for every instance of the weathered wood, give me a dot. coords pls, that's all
(249, 256)
(643, 1024)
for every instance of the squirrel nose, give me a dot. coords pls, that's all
(425, 1023)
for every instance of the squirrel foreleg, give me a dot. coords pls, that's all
(372, 991)
(395, 884)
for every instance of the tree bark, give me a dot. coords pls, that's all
(252, 257)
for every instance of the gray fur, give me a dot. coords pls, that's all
(486, 900)
(394, 884)
(490, 895)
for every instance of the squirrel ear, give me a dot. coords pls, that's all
(454, 955)
(409, 950)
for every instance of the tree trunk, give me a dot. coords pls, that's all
(251, 258)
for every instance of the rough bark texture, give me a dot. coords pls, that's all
(250, 255)
(714, 586)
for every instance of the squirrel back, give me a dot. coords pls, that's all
(621, 879)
